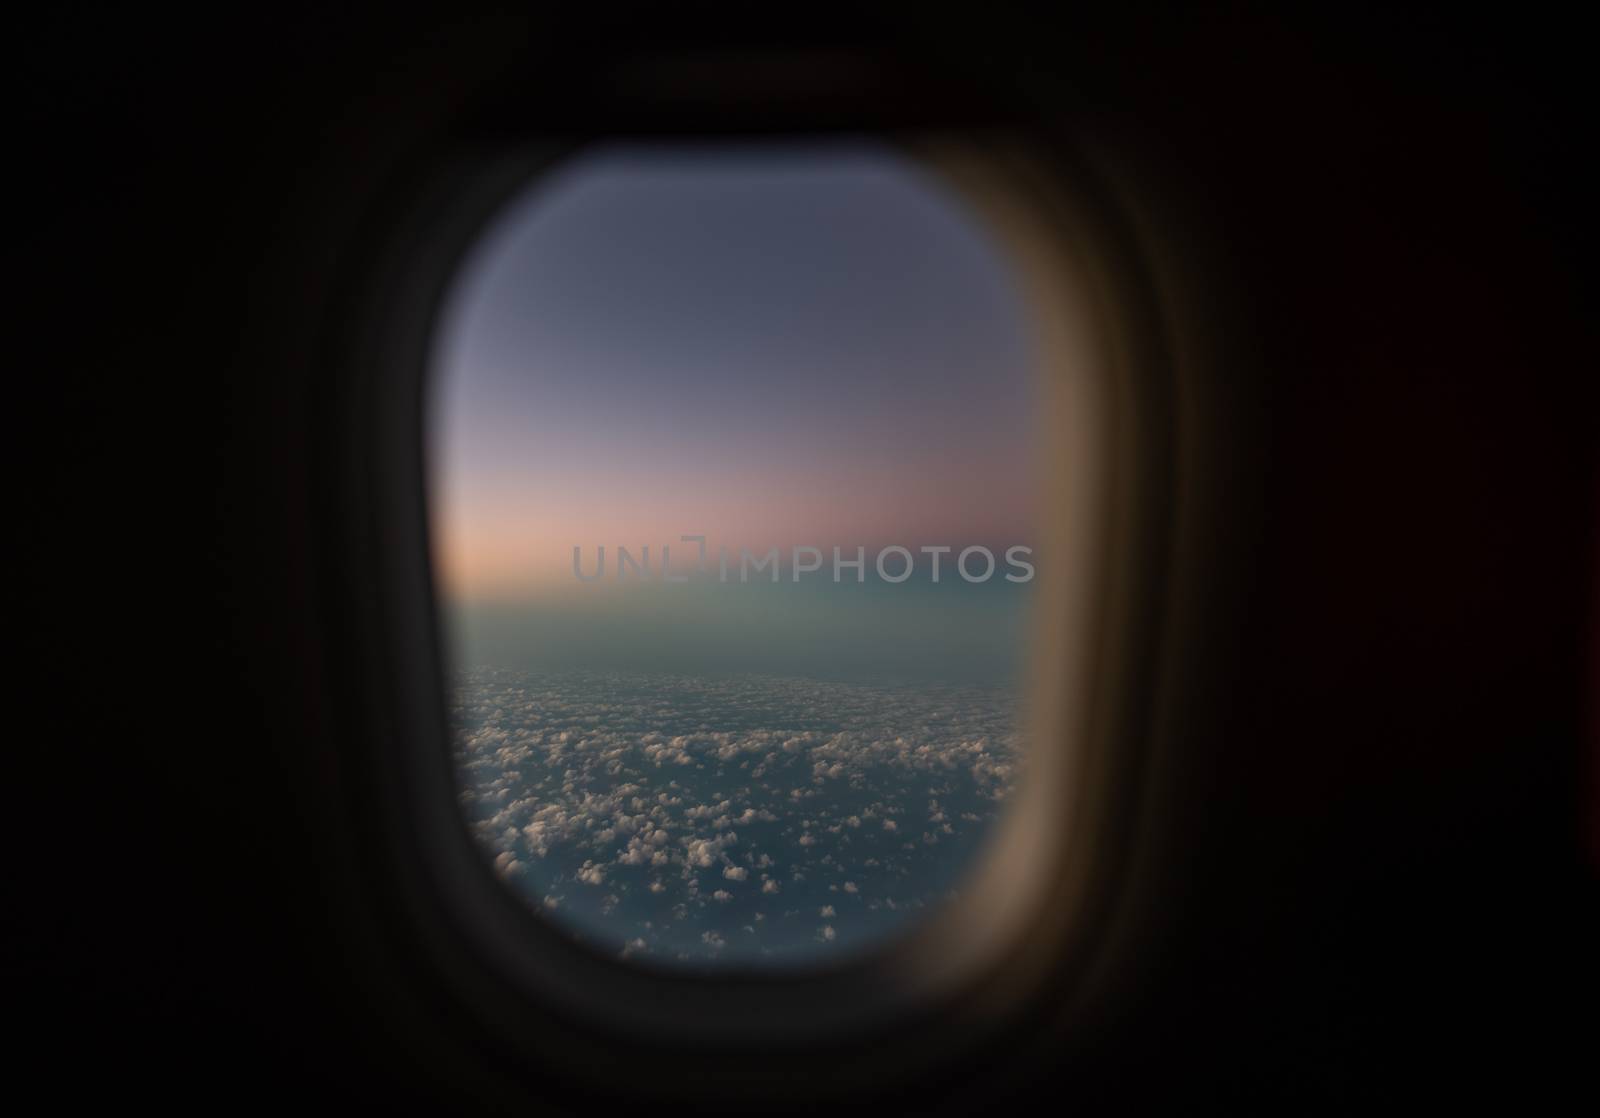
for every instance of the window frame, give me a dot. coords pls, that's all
(517, 975)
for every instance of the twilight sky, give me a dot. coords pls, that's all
(771, 345)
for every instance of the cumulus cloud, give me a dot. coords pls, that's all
(616, 802)
(704, 852)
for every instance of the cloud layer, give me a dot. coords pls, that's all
(712, 820)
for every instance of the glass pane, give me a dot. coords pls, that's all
(733, 492)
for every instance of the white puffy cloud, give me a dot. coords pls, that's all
(633, 789)
(704, 852)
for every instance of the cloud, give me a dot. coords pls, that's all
(614, 802)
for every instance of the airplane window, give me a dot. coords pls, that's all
(735, 517)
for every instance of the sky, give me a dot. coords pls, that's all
(770, 346)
